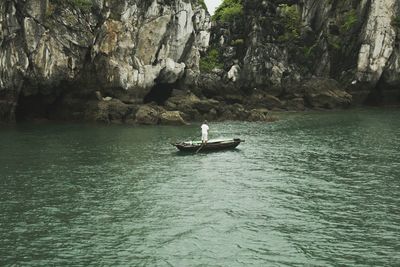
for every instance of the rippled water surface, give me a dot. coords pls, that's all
(315, 188)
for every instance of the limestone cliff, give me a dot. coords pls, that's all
(152, 61)
(55, 54)
(291, 53)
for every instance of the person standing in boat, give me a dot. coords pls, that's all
(204, 132)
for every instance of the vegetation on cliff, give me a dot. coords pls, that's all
(203, 4)
(84, 5)
(228, 11)
(210, 61)
(349, 20)
(396, 22)
(258, 55)
(291, 22)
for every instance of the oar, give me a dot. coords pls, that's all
(202, 145)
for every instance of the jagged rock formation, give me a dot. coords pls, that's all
(54, 55)
(138, 61)
(277, 49)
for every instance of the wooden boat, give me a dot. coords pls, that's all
(198, 146)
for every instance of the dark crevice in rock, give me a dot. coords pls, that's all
(188, 48)
(164, 40)
(33, 107)
(384, 94)
(66, 102)
(375, 97)
(159, 93)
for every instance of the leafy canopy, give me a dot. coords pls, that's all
(291, 21)
(203, 4)
(228, 11)
(210, 61)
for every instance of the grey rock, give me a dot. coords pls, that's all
(172, 118)
(147, 115)
(296, 104)
(263, 100)
(112, 111)
(206, 105)
(326, 93)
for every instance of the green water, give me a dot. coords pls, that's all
(315, 189)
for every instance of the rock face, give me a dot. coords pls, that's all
(172, 118)
(57, 49)
(160, 61)
(278, 48)
(147, 115)
(323, 93)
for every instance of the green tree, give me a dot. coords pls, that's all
(291, 21)
(349, 20)
(210, 61)
(203, 4)
(228, 11)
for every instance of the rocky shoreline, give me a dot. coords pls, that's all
(183, 106)
(178, 110)
(167, 62)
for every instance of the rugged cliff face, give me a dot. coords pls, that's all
(151, 61)
(308, 53)
(65, 59)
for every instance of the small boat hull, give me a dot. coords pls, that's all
(210, 146)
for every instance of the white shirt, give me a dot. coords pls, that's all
(204, 129)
